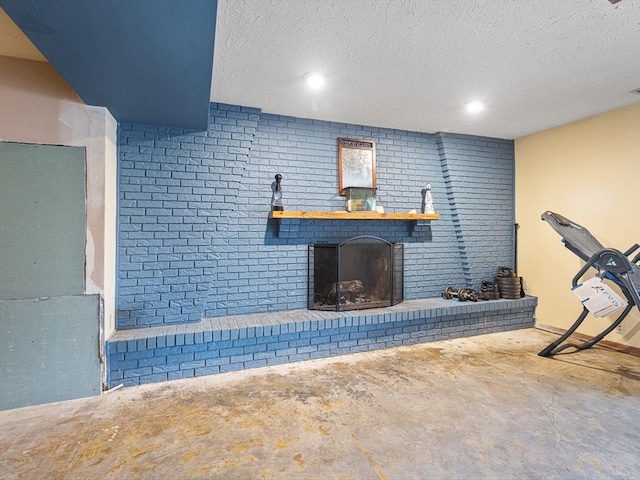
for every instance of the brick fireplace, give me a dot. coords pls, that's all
(194, 239)
(207, 283)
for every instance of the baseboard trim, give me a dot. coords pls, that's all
(618, 347)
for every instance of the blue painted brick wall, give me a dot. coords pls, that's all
(479, 177)
(194, 239)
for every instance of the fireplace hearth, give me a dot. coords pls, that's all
(362, 272)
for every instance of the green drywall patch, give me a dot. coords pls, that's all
(48, 350)
(42, 220)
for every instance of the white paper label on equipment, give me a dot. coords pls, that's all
(598, 297)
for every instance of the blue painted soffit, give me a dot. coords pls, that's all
(147, 61)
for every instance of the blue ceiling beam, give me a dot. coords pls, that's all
(147, 61)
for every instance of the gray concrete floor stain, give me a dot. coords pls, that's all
(480, 407)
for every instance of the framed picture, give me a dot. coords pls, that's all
(356, 163)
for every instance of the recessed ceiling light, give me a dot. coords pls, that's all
(474, 106)
(315, 80)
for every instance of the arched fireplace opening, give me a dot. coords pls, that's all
(362, 272)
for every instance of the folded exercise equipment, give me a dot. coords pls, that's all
(611, 265)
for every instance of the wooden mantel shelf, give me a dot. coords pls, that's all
(354, 216)
(410, 218)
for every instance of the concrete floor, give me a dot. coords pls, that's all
(481, 407)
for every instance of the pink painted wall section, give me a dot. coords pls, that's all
(37, 106)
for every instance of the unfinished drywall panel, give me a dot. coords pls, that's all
(48, 350)
(37, 106)
(42, 220)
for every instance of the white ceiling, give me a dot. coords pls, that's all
(412, 64)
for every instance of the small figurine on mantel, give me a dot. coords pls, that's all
(276, 204)
(427, 204)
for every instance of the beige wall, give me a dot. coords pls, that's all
(37, 106)
(586, 171)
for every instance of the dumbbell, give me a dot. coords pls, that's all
(462, 294)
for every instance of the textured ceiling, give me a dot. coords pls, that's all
(408, 64)
(412, 64)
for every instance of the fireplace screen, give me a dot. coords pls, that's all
(363, 272)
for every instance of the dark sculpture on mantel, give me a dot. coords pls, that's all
(276, 204)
